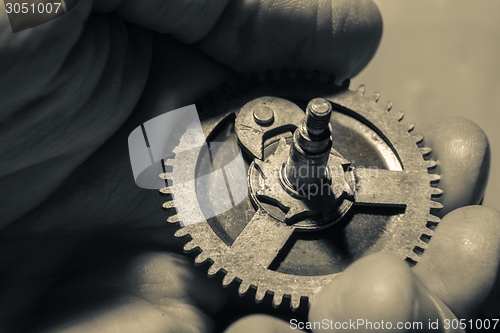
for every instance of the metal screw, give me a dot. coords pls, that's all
(318, 114)
(311, 146)
(263, 115)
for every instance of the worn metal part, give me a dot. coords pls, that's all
(252, 131)
(310, 150)
(304, 211)
(249, 256)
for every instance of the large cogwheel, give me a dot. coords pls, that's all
(275, 239)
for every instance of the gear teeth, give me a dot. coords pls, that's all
(214, 269)
(436, 192)
(425, 151)
(201, 258)
(228, 279)
(422, 244)
(164, 176)
(388, 105)
(361, 90)
(277, 299)
(411, 262)
(375, 97)
(428, 230)
(260, 294)
(414, 258)
(418, 250)
(425, 237)
(431, 164)
(431, 226)
(170, 156)
(436, 205)
(295, 302)
(410, 127)
(181, 232)
(418, 138)
(434, 178)
(190, 246)
(165, 191)
(400, 115)
(173, 219)
(433, 219)
(168, 205)
(243, 288)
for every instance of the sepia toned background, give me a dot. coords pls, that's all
(441, 58)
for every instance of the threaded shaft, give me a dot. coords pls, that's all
(318, 114)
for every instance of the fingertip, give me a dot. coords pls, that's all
(336, 37)
(461, 261)
(369, 23)
(462, 151)
(161, 278)
(259, 323)
(377, 287)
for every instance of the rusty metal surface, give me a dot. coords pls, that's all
(301, 212)
(406, 185)
(251, 134)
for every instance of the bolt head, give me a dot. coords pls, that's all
(318, 114)
(320, 107)
(263, 115)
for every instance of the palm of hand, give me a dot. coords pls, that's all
(92, 238)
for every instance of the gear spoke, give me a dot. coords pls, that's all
(264, 233)
(385, 187)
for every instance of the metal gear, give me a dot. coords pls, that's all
(250, 250)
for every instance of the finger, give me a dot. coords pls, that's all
(377, 293)
(338, 37)
(334, 36)
(462, 259)
(95, 91)
(63, 95)
(462, 151)
(375, 288)
(88, 76)
(150, 292)
(130, 314)
(188, 21)
(101, 194)
(261, 324)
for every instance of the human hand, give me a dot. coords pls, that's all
(83, 248)
(79, 240)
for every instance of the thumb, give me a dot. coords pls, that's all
(379, 293)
